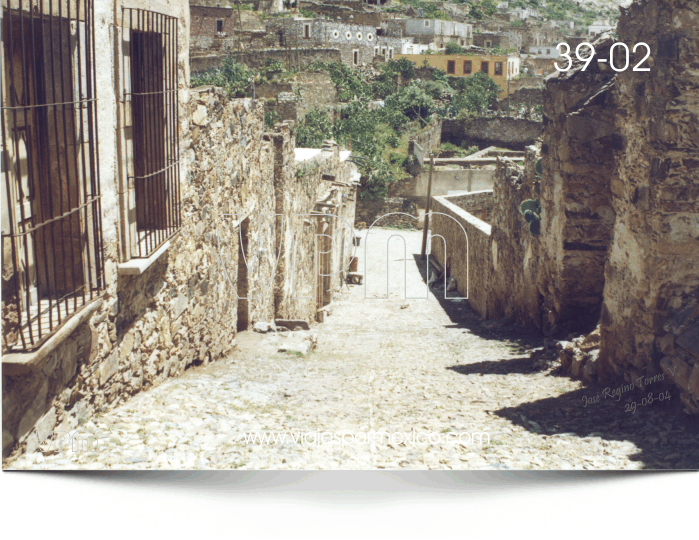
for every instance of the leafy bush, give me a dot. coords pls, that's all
(452, 48)
(233, 77)
(271, 118)
(350, 83)
(392, 140)
(412, 101)
(474, 94)
(314, 129)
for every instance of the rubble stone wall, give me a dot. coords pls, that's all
(256, 59)
(650, 319)
(514, 283)
(506, 132)
(577, 214)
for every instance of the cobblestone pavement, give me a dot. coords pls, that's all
(417, 366)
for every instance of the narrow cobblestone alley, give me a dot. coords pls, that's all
(387, 365)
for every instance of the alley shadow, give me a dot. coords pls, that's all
(667, 438)
(462, 316)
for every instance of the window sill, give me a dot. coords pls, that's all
(14, 364)
(136, 267)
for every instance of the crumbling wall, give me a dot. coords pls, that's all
(514, 283)
(257, 59)
(577, 214)
(512, 133)
(650, 319)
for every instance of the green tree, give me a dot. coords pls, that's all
(452, 48)
(489, 7)
(474, 94)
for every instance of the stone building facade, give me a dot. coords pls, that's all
(213, 27)
(160, 250)
(435, 31)
(358, 44)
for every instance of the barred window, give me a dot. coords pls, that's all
(153, 215)
(51, 228)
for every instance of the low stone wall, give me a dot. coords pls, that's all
(257, 59)
(478, 204)
(503, 131)
(472, 272)
(388, 213)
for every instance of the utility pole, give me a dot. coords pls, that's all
(426, 225)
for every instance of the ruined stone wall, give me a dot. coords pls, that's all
(429, 137)
(256, 59)
(291, 100)
(472, 271)
(204, 33)
(650, 319)
(577, 214)
(514, 282)
(391, 212)
(502, 131)
(478, 203)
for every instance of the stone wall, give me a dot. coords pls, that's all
(204, 33)
(348, 38)
(501, 131)
(186, 307)
(464, 233)
(516, 260)
(650, 319)
(291, 100)
(577, 213)
(478, 203)
(256, 59)
(390, 212)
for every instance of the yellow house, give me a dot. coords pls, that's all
(499, 68)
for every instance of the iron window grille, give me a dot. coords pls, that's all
(151, 99)
(51, 229)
